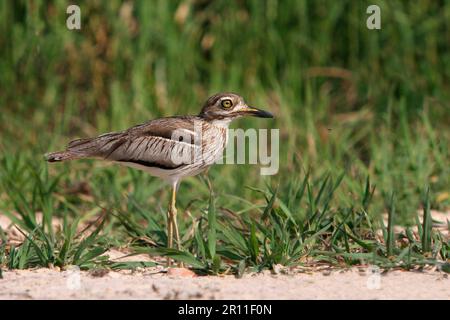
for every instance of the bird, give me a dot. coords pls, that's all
(170, 148)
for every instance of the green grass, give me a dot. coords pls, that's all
(363, 116)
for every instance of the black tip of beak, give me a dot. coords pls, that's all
(260, 113)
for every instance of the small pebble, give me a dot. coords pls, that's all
(181, 272)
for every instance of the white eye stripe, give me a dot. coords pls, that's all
(226, 98)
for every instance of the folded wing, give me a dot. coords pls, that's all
(165, 143)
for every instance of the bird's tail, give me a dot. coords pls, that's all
(98, 147)
(60, 156)
(76, 149)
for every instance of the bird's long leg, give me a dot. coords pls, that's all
(169, 231)
(173, 211)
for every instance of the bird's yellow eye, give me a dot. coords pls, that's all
(227, 103)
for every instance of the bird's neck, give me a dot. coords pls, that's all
(221, 123)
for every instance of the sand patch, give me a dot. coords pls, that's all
(151, 283)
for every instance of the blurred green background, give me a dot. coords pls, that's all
(347, 99)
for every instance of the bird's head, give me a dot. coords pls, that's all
(228, 106)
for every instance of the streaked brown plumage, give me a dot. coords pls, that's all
(149, 146)
(156, 146)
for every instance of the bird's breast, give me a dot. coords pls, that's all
(214, 140)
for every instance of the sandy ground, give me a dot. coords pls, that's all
(151, 283)
(155, 283)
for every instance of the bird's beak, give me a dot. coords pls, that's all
(255, 112)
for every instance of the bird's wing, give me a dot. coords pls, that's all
(165, 143)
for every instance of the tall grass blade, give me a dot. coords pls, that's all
(427, 223)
